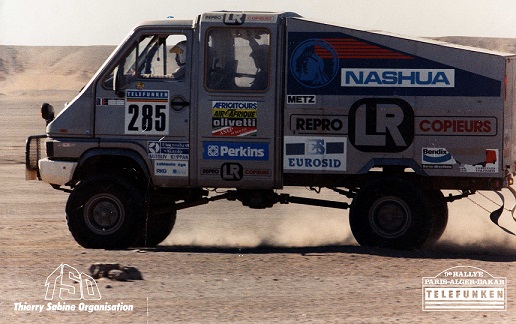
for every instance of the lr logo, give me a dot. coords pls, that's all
(381, 125)
(232, 171)
(234, 19)
(66, 283)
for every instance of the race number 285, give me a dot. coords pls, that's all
(146, 118)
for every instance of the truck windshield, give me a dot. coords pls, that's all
(160, 56)
(237, 59)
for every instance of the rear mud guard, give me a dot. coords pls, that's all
(495, 215)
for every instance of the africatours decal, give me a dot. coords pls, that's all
(234, 118)
(340, 64)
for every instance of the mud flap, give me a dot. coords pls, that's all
(495, 215)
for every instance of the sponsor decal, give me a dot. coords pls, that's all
(464, 288)
(168, 150)
(212, 17)
(236, 151)
(381, 125)
(489, 165)
(246, 172)
(437, 158)
(170, 158)
(146, 112)
(301, 99)
(260, 18)
(234, 18)
(314, 63)
(147, 95)
(315, 153)
(334, 63)
(232, 171)
(210, 171)
(110, 102)
(319, 124)
(166, 168)
(410, 78)
(257, 172)
(234, 118)
(461, 126)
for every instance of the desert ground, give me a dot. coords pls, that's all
(223, 262)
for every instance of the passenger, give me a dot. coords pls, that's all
(260, 55)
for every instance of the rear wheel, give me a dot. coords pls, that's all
(390, 212)
(105, 212)
(439, 210)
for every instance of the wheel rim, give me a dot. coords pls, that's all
(389, 217)
(104, 214)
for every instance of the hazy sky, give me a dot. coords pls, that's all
(107, 22)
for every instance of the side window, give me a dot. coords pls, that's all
(237, 59)
(160, 56)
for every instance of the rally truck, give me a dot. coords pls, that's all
(244, 105)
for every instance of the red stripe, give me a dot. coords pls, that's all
(349, 48)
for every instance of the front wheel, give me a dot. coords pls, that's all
(159, 221)
(105, 212)
(392, 213)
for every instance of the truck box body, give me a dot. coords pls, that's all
(377, 99)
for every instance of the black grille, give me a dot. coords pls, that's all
(34, 151)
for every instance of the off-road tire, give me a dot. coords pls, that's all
(390, 212)
(104, 212)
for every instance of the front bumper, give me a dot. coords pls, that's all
(56, 172)
(38, 166)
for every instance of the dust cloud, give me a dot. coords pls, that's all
(231, 225)
(470, 229)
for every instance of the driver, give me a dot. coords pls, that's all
(180, 50)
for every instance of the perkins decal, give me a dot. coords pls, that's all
(167, 150)
(437, 158)
(170, 168)
(234, 118)
(235, 151)
(319, 124)
(410, 78)
(315, 153)
(462, 126)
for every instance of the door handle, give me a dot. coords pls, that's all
(178, 103)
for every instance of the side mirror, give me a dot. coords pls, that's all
(47, 112)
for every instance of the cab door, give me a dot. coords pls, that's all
(143, 102)
(239, 113)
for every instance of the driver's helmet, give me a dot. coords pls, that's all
(180, 50)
